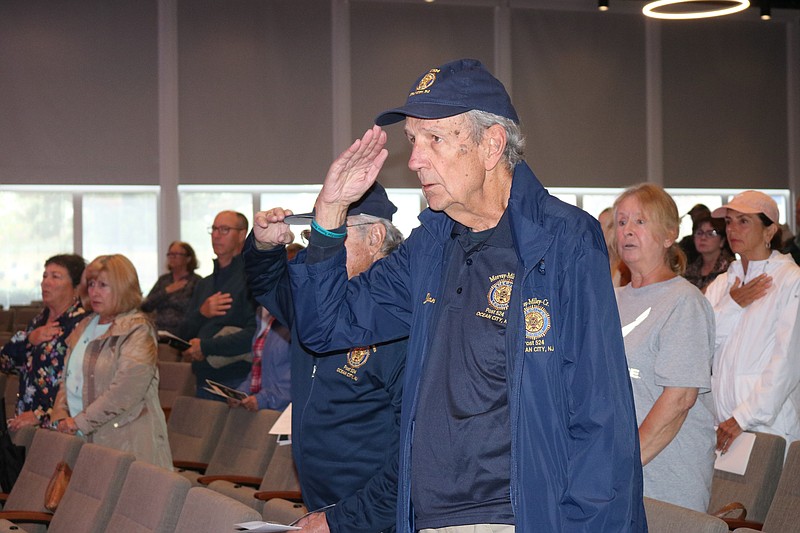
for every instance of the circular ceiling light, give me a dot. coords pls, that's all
(724, 7)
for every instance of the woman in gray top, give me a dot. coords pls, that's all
(668, 328)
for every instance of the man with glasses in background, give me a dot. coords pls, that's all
(220, 321)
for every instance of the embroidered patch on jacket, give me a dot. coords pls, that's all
(498, 296)
(537, 324)
(356, 358)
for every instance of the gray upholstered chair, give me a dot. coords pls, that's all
(663, 517)
(193, 428)
(6, 320)
(207, 511)
(91, 494)
(10, 392)
(783, 513)
(244, 448)
(93, 490)
(279, 481)
(175, 379)
(151, 500)
(282, 511)
(755, 488)
(24, 437)
(47, 450)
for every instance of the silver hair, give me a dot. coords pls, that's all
(393, 237)
(515, 141)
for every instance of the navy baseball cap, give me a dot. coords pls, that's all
(452, 89)
(375, 202)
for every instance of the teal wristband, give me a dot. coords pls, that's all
(332, 234)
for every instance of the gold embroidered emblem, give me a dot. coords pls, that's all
(537, 322)
(356, 357)
(429, 299)
(500, 294)
(425, 83)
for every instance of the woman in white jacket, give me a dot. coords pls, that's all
(757, 356)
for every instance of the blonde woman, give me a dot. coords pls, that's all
(109, 393)
(668, 329)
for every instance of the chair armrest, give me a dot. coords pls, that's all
(30, 517)
(3, 497)
(291, 495)
(735, 523)
(236, 480)
(733, 510)
(190, 465)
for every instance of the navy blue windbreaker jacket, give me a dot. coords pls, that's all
(345, 412)
(575, 463)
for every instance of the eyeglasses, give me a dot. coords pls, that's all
(176, 254)
(710, 233)
(306, 233)
(223, 230)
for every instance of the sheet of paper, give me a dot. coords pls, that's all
(263, 527)
(738, 455)
(225, 391)
(283, 425)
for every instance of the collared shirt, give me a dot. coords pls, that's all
(462, 440)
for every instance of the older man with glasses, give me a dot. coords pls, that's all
(220, 322)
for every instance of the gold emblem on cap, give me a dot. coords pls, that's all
(427, 80)
(425, 83)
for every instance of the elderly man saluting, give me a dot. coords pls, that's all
(517, 407)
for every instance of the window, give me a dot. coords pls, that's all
(36, 225)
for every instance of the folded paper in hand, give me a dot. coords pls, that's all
(263, 527)
(165, 337)
(738, 455)
(223, 390)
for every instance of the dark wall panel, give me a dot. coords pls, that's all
(724, 104)
(579, 88)
(255, 91)
(78, 92)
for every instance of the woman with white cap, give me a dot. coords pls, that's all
(757, 357)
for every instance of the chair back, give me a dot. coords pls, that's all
(194, 427)
(663, 517)
(47, 449)
(782, 515)
(207, 511)
(23, 315)
(151, 500)
(93, 490)
(245, 446)
(10, 393)
(6, 319)
(282, 511)
(175, 379)
(281, 475)
(756, 487)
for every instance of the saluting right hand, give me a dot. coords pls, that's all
(269, 228)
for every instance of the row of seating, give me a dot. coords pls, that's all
(111, 491)
(17, 317)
